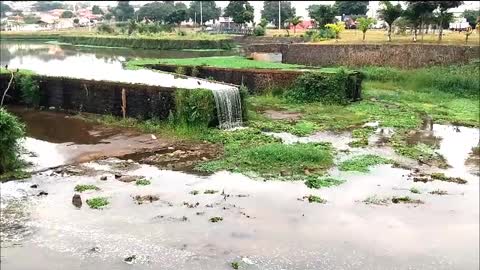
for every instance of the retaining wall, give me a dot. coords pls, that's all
(101, 97)
(357, 55)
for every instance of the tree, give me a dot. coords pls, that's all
(210, 11)
(417, 12)
(322, 14)
(97, 10)
(336, 28)
(108, 16)
(4, 8)
(364, 24)
(156, 11)
(471, 16)
(123, 11)
(296, 20)
(178, 15)
(443, 15)
(240, 11)
(389, 13)
(351, 7)
(47, 5)
(263, 23)
(270, 11)
(67, 14)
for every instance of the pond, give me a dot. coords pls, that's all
(98, 63)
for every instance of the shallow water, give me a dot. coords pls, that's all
(267, 224)
(94, 63)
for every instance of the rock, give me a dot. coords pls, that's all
(170, 148)
(204, 158)
(131, 259)
(95, 249)
(283, 173)
(103, 178)
(117, 175)
(51, 108)
(77, 200)
(247, 260)
(42, 193)
(34, 186)
(128, 178)
(146, 198)
(153, 137)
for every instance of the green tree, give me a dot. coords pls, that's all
(471, 16)
(108, 16)
(210, 11)
(67, 14)
(270, 11)
(322, 14)
(178, 15)
(240, 11)
(97, 10)
(389, 13)
(364, 24)
(47, 5)
(417, 13)
(337, 28)
(295, 21)
(444, 15)
(156, 11)
(263, 23)
(123, 11)
(351, 7)
(4, 8)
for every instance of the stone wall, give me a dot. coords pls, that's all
(101, 97)
(356, 55)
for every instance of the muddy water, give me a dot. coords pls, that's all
(264, 223)
(94, 63)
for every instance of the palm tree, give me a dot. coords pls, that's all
(296, 20)
(389, 13)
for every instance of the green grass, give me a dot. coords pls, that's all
(320, 182)
(142, 182)
(21, 71)
(97, 202)
(82, 188)
(235, 265)
(362, 163)
(14, 175)
(275, 160)
(216, 219)
(415, 190)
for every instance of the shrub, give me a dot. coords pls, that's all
(259, 31)
(97, 202)
(82, 188)
(105, 28)
(11, 131)
(195, 107)
(142, 182)
(30, 90)
(328, 88)
(181, 33)
(195, 72)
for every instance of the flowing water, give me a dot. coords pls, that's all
(229, 107)
(107, 64)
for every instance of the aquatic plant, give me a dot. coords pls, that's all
(315, 199)
(374, 199)
(82, 188)
(215, 219)
(362, 163)
(443, 177)
(210, 191)
(415, 190)
(142, 182)
(194, 192)
(235, 265)
(406, 199)
(97, 202)
(319, 182)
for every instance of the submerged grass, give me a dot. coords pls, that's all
(320, 182)
(362, 163)
(82, 188)
(97, 202)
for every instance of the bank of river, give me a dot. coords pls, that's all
(266, 225)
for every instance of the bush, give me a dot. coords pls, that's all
(30, 90)
(328, 88)
(11, 131)
(181, 33)
(195, 107)
(105, 28)
(322, 34)
(259, 31)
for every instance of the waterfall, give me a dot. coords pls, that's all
(229, 107)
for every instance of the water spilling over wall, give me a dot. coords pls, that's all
(229, 107)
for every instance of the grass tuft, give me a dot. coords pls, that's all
(362, 163)
(97, 202)
(82, 188)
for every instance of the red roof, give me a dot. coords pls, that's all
(303, 25)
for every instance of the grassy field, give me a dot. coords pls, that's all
(380, 36)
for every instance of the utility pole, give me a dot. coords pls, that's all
(279, 16)
(201, 14)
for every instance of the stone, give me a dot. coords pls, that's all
(34, 186)
(117, 175)
(77, 200)
(128, 178)
(103, 178)
(131, 259)
(42, 193)
(51, 108)
(95, 249)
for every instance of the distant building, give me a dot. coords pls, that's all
(459, 24)
(304, 25)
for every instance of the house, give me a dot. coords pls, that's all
(459, 24)
(304, 25)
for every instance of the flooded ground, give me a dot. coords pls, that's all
(93, 63)
(264, 225)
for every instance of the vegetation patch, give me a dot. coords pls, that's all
(11, 131)
(361, 135)
(97, 202)
(275, 160)
(320, 182)
(377, 200)
(82, 188)
(443, 177)
(406, 199)
(415, 190)
(14, 175)
(439, 192)
(142, 182)
(315, 199)
(235, 265)
(215, 219)
(195, 107)
(210, 191)
(362, 163)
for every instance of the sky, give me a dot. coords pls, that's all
(300, 6)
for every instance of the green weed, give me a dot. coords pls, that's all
(97, 202)
(315, 199)
(142, 182)
(82, 188)
(362, 163)
(319, 182)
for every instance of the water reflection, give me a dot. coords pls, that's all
(96, 63)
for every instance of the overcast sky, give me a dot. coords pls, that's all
(300, 6)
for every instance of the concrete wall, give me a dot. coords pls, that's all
(99, 97)
(356, 55)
